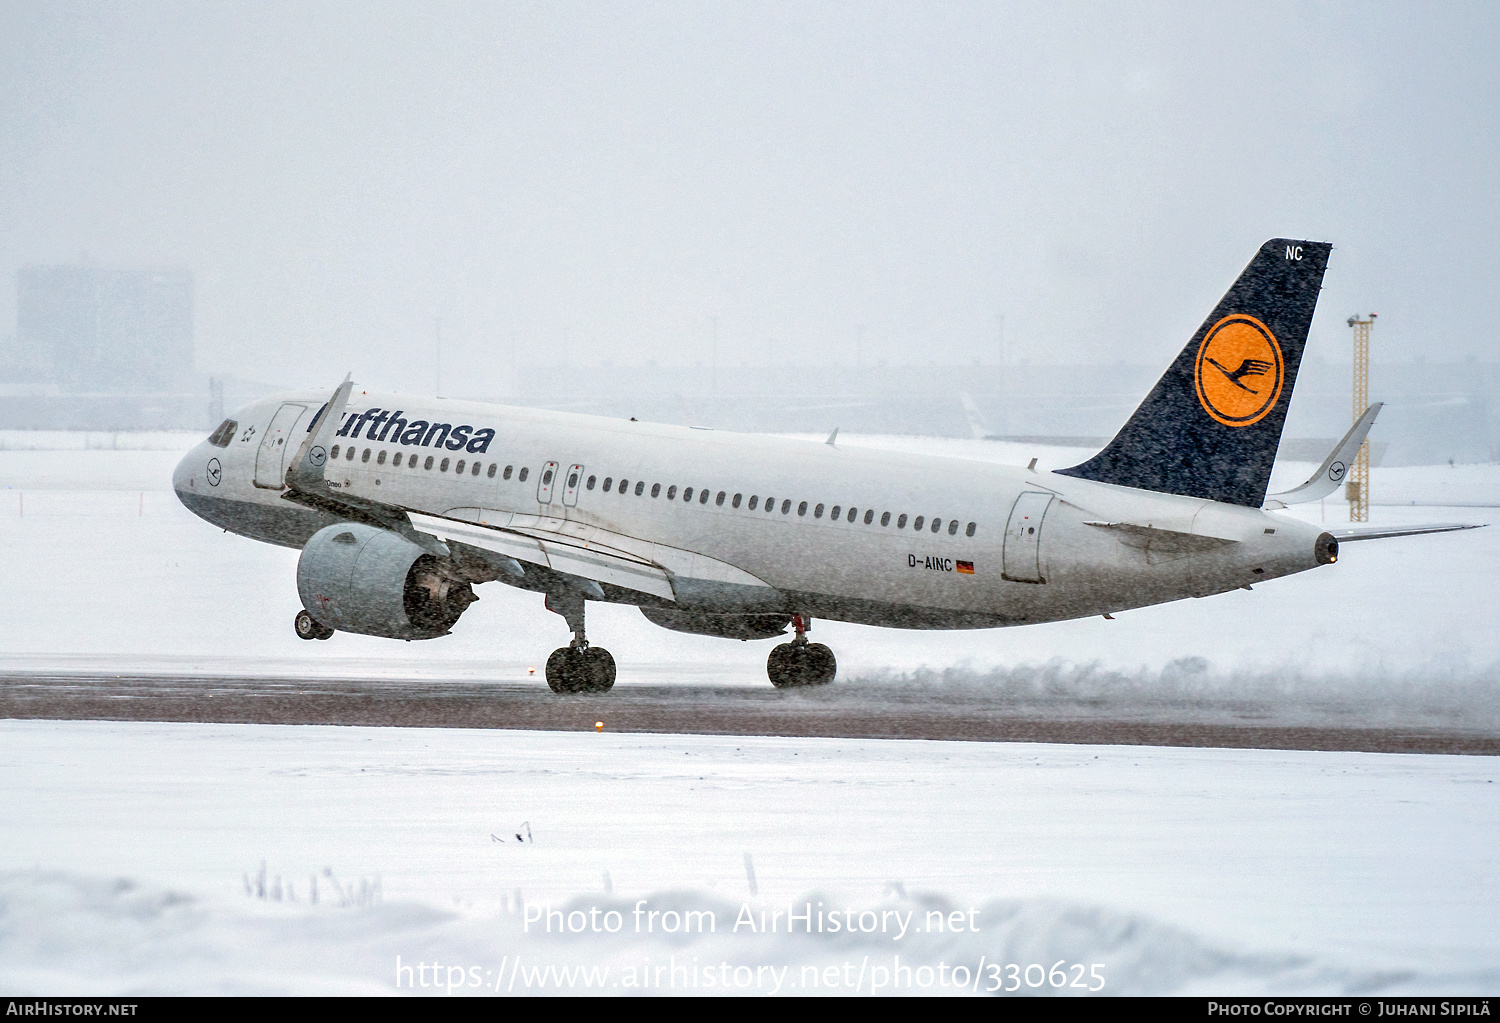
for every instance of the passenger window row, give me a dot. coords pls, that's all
(462, 466)
(702, 494)
(850, 514)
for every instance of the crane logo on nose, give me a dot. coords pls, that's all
(215, 472)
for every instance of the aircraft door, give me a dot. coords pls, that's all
(1023, 538)
(544, 483)
(572, 484)
(270, 458)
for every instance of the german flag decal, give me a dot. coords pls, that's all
(965, 568)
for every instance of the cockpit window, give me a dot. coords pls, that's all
(221, 437)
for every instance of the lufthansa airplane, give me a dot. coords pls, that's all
(401, 504)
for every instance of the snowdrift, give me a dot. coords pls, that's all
(63, 933)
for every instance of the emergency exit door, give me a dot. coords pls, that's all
(544, 484)
(572, 484)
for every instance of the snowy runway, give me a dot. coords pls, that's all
(1141, 710)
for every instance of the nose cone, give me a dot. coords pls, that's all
(198, 474)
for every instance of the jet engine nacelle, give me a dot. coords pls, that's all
(358, 578)
(756, 626)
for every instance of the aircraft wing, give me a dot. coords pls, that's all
(1381, 532)
(592, 552)
(1334, 468)
(596, 562)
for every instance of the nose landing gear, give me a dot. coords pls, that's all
(800, 663)
(577, 667)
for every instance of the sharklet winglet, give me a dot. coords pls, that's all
(1331, 473)
(307, 485)
(306, 470)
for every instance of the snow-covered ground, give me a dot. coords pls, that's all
(130, 861)
(126, 850)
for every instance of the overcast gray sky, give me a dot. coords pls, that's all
(598, 181)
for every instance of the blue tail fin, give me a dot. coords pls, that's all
(1211, 426)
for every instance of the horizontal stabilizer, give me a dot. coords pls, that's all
(1381, 532)
(1133, 535)
(1334, 468)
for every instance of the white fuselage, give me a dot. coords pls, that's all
(996, 557)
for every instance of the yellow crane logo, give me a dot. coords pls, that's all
(1239, 371)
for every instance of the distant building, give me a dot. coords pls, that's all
(98, 349)
(85, 329)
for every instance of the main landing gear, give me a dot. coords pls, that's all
(308, 628)
(577, 667)
(800, 663)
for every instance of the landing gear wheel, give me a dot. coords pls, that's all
(577, 667)
(559, 670)
(307, 627)
(795, 664)
(780, 666)
(599, 666)
(821, 664)
(573, 669)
